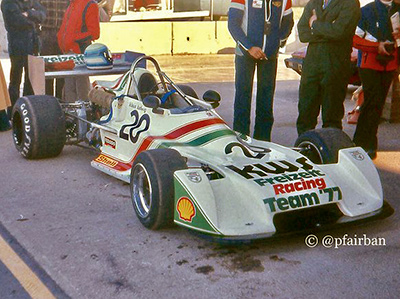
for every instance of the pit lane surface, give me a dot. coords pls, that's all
(78, 225)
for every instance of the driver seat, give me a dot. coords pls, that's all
(146, 83)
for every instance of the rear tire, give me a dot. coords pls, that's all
(322, 146)
(38, 124)
(152, 186)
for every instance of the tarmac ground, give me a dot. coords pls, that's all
(75, 229)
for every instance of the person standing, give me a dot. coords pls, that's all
(21, 20)
(55, 10)
(80, 26)
(328, 26)
(395, 103)
(4, 102)
(259, 28)
(378, 63)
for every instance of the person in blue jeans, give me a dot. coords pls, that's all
(259, 28)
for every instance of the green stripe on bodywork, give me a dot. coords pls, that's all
(123, 83)
(202, 140)
(199, 221)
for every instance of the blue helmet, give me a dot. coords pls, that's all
(98, 57)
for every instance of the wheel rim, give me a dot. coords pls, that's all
(141, 190)
(311, 151)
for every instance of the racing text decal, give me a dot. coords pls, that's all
(268, 168)
(299, 186)
(26, 147)
(106, 161)
(112, 163)
(303, 200)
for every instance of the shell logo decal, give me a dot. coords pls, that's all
(186, 209)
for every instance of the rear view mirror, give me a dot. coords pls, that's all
(152, 101)
(212, 97)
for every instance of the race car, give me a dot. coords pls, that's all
(186, 166)
(295, 62)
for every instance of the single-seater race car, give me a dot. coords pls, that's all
(186, 166)
(295, 62)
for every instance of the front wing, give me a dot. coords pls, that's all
(220, 209)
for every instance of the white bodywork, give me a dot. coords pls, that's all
(255, 180)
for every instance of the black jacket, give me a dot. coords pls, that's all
(331, 37)
(22, 31)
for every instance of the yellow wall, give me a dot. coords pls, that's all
(145, 37)
(154, 38)
(194, 37)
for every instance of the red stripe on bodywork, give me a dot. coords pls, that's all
(191, 127)
(118, 82)
(122, 166)
(178, 133)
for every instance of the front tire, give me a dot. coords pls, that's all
(152, 186)
(38, 124)
(322, 146)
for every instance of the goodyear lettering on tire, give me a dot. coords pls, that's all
(27, 141)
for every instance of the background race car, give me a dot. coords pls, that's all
(296, 63)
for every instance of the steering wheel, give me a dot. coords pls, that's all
(156, 87)
(165, 99)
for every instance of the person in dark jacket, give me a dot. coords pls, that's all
(55, 10)
(328, 28)
(21, 20)
(259, 28)
(378, 61)
(4, 103)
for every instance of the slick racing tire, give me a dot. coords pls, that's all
(322, 146)
(152, 186)
(38, 125)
